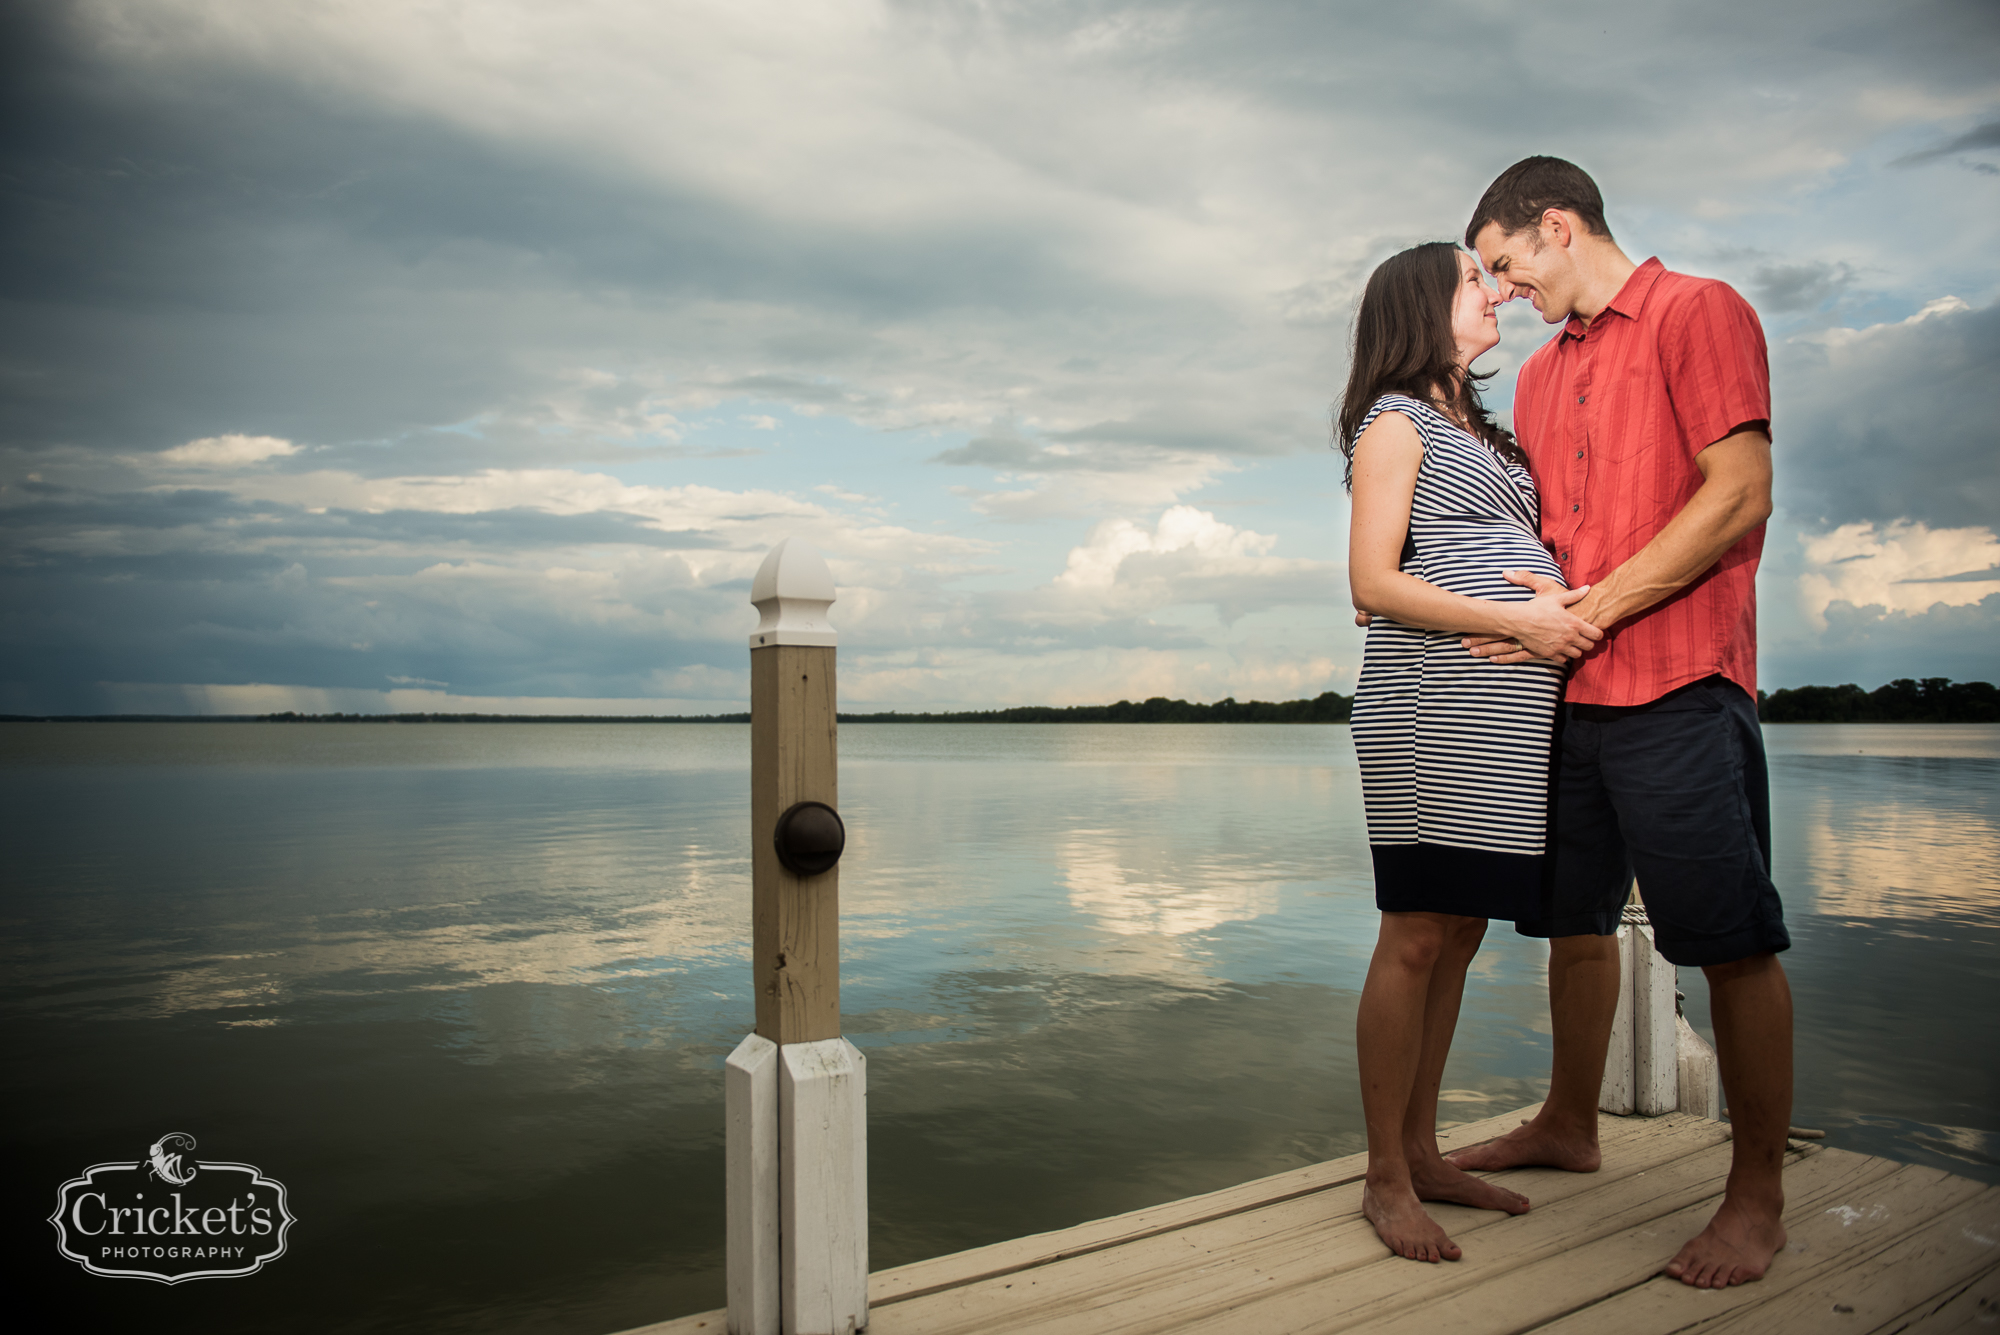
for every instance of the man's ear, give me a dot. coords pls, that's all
(1556, 227)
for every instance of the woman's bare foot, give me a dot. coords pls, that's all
(1400, 1221)
(1735, 1248)
(1534, 1145)
(1443, 1180)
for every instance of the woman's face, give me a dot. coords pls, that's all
(1475, 327)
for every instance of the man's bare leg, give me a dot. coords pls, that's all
(1583, 1001)
(1434, 1177)
(1389, 1037)
(1751, 1003)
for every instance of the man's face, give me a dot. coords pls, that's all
(1532, 263)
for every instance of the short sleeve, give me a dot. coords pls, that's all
(1717, 369)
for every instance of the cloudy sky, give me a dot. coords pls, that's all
(403, 354)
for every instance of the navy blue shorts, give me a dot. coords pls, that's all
(1677, 792)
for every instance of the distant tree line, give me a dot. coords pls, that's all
(1932, 700)
(290, 716)
(1330, 707)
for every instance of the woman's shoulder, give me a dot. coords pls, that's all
(1413, 408)
(1400, 403)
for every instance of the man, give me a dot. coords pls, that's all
(1647, 421)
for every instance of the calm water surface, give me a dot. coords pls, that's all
(466, 990)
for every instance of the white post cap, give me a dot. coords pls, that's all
(792, 591)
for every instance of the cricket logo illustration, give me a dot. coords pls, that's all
(166, 1157)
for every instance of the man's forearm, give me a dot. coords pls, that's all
(1731, 501)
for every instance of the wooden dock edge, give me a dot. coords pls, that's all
(919, 1278)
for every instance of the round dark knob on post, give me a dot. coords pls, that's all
(810, 837)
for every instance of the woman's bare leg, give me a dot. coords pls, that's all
(1389, 1046)
(1433, 1176)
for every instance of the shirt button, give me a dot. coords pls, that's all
(1579, 454)
(1574, 508)
(1565, 556)
(1581, 397)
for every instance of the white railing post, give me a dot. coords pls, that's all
(1655, 1062)
(1615, 1095)
(796, 1090)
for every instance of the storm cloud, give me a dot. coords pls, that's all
(360, 346)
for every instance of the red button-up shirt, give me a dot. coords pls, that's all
(1612, 415)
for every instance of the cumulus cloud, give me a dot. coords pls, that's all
(1188, 557)
(1899, 567)
(228, 451)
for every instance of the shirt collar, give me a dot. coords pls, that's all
(1631, 298)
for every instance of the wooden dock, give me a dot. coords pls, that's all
(1876, 1247)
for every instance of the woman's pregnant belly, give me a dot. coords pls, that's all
(1472, 558)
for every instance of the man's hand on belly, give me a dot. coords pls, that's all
(1503, 649)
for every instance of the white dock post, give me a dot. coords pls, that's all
(822, 1103)
(1700, 1084)
(750, 1090)
(1615, 1094)
(1655, 1062)
(809, 1195)
(1655, 1054)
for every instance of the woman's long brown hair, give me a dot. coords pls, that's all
(1403, 345)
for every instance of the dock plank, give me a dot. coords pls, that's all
(1973, 1307)
(1877, 1247)
(1528, 1270)
(1215, 1268)
(1016, 1254)
(1841, 1209)
(1891, 1274)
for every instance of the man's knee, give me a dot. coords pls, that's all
(1752, 966)
(1583, 948)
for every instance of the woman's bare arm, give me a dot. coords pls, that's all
(1387, 458)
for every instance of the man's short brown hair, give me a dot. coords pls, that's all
(1520, 195)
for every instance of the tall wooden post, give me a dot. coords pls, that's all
(796, 1090)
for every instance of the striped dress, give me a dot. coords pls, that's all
(1455, 751)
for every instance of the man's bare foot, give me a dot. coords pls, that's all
(1533, 1145)
(1403, 1226)
(1735, 1248)
(1443, 1180)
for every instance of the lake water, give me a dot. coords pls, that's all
(466, 990)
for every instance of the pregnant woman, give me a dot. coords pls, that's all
(1454, 750)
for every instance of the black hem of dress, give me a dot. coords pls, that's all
(1469, 882)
